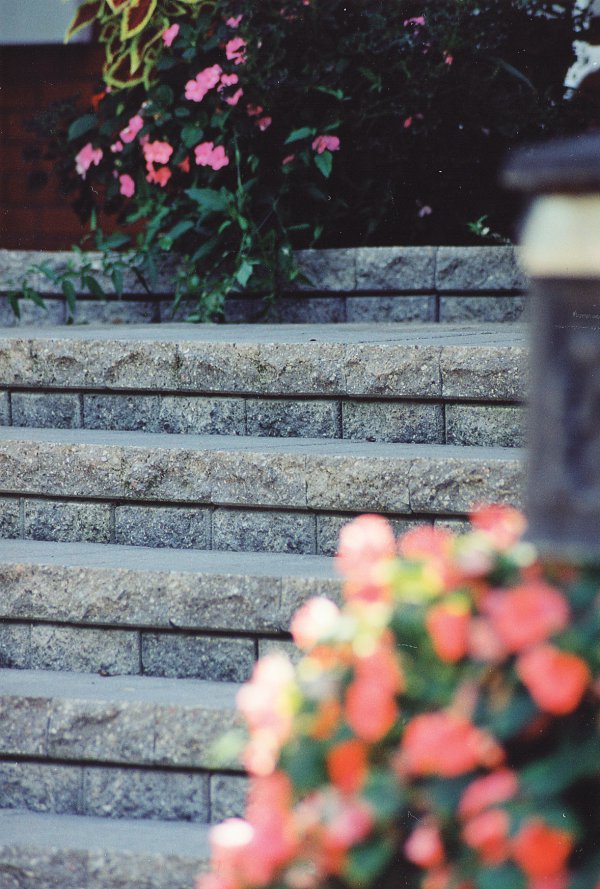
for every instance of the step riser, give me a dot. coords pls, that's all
(183, 527)
(493, 425)
(109, 792)
(384, 481)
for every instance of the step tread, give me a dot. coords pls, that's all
(49, 831)
(142, 690)
(147, 559)
(475, 334)
(254, 444)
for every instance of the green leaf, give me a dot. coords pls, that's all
(205, 250)
(116, 240)
(82, 125)
(384, 795)
(302, 133)
(510, 69)
(33, 295)
(242, 275)
(117, 279)
(180, 229)
(209, 199)
(324, 163)
(505, 877)
(69, 291)
(191, 135)
(182, 112)
(366, 861)
(13, 301)
(93, 286)
(304, 764)
(337, 94)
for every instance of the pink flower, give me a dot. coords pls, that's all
(234, 21)
(158, 152)
(116, 146)
(317, 619)
(170, 34)
(208, 156)
(184, 166)
(263, 123)
(227, 80)
(159, 177)
(448, 58)
(254, 110)
(288, 159)
(205, 80)
(235, 98)
(235, 50)
(86, 157)
(127, 185)
(407, 123)
(417, 20)
(132, 129)
(424, 211)
(326, 143)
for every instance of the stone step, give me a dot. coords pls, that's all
(69, 852)
(251, 482)
(117, 747)
(89, 608)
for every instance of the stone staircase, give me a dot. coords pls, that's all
(169, 495)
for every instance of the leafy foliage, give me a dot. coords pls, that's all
(312, 123)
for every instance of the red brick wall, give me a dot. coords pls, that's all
(30, 78)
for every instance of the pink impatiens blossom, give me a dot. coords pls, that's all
(184, 166)
(132, 129)
(288, 159)
(116, 146)
(254, 110)
(448, 58)
(234, 21)
(407, 123)
(170, 34)
(235, 98)
(417, 20)
(263, 123)
(157, 151)
(326, 143)
(86, 157)
(235, 50)
(205, 80)
(227, 80)
(208, 156)
(127, 185)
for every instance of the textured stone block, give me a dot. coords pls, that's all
(116, 732)
(113, 311)
(486, 373)
(38, 316)
(47, 409)
(256, 531)
(187, 736)
(395, 268)
(308, 310)
(109, 869)
(478, 269)
(162, 526)
(353, 482)
(294, 595)
(393, 421)
(201, 416)
(285, 418)
(456, 482)
(457, 526)
(481, 308)
(333, 270)
(390, 308)
(121, 412)
(84, 650)
(197, 657)
(23, 725)
(487, 425)
(227, 797)
(40, 787)
(10, 523)
(144, 793)
(24, 866)
(382, 370)
(15, 646)
(329, 527)
(4, 409)
(63, 521)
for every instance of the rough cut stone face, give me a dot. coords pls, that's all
(395, 268)
(66, 521)
(55, 411)
(145, 793)
(478, 269)
(485, 425)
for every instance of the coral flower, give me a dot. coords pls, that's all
(157, 152)
(526, 615)
(487, 833)
(424, 846)
(263, 123)
(448, 627)
(127, 185)
(497, 787)
(367, 545)
(347, 765)
(541, 850)
(317, 619)
(503, 524)
(445, 744)
(555, 679)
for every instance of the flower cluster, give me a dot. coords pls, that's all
(441, 729)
